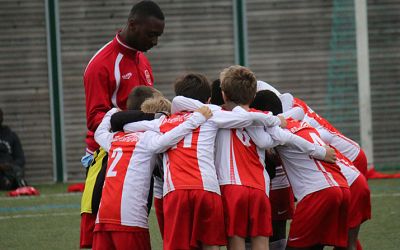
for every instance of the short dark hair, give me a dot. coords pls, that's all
(239, 84)
(267, 100)
(216, 93)
(193, 85)
(138, 95)
(145, 9)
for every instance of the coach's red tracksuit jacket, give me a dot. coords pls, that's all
(109, 78)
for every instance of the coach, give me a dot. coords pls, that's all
(109, 77)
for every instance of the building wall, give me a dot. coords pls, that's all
(24, 86)
(384, 44)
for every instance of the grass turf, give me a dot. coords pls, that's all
(51, 220)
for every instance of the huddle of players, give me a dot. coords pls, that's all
(213, 188)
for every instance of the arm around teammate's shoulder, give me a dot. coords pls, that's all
(158, 143)
(103, 135)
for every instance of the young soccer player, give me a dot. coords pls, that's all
(238, 85)
(360, 202)
(241, 171)
(122, 218)
(320, 189)
(193, 212)
(137, 102)
(329, 134)
(360, 205)
(281, 195)
(240, 164)
(216, 93)
(282, 205)
(299, 110)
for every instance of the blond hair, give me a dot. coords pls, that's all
(139, 94)
(239, 84)
(156, 104)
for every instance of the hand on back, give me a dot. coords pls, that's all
(283, 121)
(330, 155)
(205, 111)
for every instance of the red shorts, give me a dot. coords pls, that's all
(106, 240)
(360, 202)
(193, 218)
(282, 203)
(361, 163)
(87, 227)
(320, 218)
(158, 205)
(247, 211)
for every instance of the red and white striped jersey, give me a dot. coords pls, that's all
(130, 167)
(307, 175)
(240, 153)
(190, 165)
(347, 168)
(239, 161)
(328, 133)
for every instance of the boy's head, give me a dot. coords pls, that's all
(216, 93)
(267, 100)
(156, 104)
(239, 84)
(139, 94)
(193, 85)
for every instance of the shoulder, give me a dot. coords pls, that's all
(143, 59)
(148, 135)
(102, 58)
(7, 130)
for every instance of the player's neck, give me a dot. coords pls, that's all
(245, 107)
(229, 105)
(123, 34)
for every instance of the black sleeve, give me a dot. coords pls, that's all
(119, 119)
(158, 168)
(272, 160)
(17, 151)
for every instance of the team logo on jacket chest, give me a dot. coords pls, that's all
(127, 76)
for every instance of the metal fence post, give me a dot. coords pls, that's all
(55, 88)
(364, 87)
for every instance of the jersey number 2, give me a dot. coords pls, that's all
(116, 156)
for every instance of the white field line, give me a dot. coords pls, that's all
(21, 216)
(40, 196)
(386, 195)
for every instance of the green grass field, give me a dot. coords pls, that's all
(51, 220)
